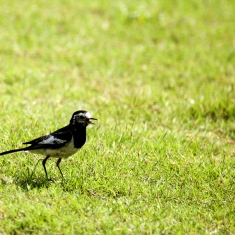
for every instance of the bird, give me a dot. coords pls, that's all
(61, 143)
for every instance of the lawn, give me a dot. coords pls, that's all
(160, 78)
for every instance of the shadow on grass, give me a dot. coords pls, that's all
(29, 180)
(29, 183)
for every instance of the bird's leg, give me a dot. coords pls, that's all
(36, 165)
(58, 165)
(44, 165)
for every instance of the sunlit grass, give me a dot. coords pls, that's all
(159, 76)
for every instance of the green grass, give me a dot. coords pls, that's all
(159, 76)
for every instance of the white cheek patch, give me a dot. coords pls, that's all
(52, 140)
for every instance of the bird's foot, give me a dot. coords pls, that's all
(50, 180)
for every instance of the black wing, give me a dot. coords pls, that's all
(55, 140)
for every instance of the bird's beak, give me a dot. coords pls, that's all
(90, 122)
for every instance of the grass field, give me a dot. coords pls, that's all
(159, 76)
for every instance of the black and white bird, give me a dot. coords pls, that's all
(61, 143)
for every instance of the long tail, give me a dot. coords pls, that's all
(12, 151)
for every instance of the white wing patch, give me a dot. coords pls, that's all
(52, 140)
(63, 152)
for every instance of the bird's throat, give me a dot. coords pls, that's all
(79, 135)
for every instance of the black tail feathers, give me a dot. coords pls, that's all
(12, 151)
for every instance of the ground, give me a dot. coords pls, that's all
(159, 76)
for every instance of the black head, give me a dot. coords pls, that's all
(82, 117)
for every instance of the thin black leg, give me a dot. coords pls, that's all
(44, 165)
(58, 165)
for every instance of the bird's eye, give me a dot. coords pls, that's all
(82, 117)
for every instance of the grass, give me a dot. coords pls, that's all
(159, 76)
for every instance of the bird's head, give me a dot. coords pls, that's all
(82, 117)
